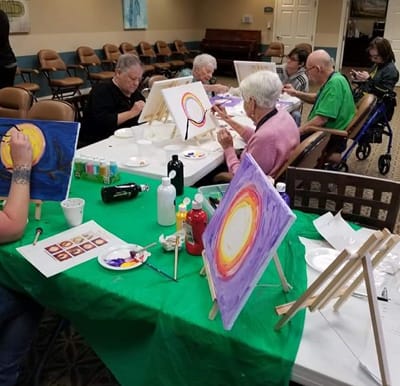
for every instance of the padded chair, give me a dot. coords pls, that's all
(15, 102)
(128, 48)
(363, 108)
(112, 54)
(188, 54)
(26, 76)
(92, 64)
(305, 46)
(149, 83)
(176, 59)
(306, 154)
(275, 52)
(58, 74)
(148, 56)
(52, 110)
(368, 201)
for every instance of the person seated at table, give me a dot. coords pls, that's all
(204, 66)
(114, 103)
(333, 104)
(276, 134)
(293, 72)
(19, 315)
(383, 75)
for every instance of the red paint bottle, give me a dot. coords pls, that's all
(196, 222)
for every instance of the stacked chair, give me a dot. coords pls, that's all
(128, 48)
(148, 56)
(15, 102)
(187, 54)
(174, 59)
(112, 54)
(26, 76)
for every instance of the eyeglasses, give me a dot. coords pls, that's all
(374, 56)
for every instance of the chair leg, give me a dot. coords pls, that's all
(61, 325)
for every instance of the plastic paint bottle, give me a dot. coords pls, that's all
(196, 222)
(176, 178)
(166, 195)
(281, 189)
(122, 192)
(181, 215)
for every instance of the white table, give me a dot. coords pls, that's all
(323, 358)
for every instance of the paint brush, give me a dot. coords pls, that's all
(38, 232)
(176, 258)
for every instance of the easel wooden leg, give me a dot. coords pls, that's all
(286, 286)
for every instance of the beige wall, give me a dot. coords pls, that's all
(65, 25)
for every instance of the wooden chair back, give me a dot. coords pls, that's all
(368, 201)
(52, 110)
(15, 102)
(111, 52)
(306, 154)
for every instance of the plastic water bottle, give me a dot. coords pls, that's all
(176, 178)
(122, 192)
(281, 189)
(196, 222)
(166, 195)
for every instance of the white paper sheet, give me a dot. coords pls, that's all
(67, 249)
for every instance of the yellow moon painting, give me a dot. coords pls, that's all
(35, 137)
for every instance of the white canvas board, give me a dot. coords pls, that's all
(67, 249)
(245, 68)
(154, 109)
(190, 108)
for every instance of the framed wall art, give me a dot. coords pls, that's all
(135, 14)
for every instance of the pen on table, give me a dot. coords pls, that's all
(38, 232)
(176, 258)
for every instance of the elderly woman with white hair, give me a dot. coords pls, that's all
(276, 134)
(204, 66)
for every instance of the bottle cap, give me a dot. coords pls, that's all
(166, 181)
(281, 187)
(186, 201)
(175, 157)
(196, 205)
(172, 174)
(182, 207)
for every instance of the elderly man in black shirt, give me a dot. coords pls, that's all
(115, 103)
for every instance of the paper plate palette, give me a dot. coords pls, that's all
(124, 133)
(121, 259)
(320, 258)
(136, 162)
(194, 154)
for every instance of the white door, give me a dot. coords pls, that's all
(294, 22)
(392, 29)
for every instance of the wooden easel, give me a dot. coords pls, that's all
(206, 271)
(347, 265)
(38, 207)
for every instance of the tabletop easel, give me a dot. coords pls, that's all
(342, 285)
(205, 271)
(38, 207)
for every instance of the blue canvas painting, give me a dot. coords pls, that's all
(53, 144)
(242, 237)
(135, 14)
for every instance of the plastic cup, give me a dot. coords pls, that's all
(144, 147)
(137, 132)
(73, 210)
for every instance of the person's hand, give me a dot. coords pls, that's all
(289, 89)
(137, 108)
(220, 112)
(360, 75)
(224, 138)
(219, 88)
(20, 149)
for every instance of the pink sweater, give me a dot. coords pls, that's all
(271, 145)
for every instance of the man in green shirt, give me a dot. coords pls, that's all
(333, 103)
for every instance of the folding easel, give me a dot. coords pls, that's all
(206, 271)
(341, 285)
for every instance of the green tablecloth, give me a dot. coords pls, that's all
(152, 331)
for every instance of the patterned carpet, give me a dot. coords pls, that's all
(72, 363)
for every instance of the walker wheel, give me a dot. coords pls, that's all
(363, 151)
(384, 163)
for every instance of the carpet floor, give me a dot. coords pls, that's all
(72, 363)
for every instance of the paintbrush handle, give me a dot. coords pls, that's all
(158, 270)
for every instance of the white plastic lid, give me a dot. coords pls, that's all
(281, 187)
(182, 207)
(196, 205)
(166, 181)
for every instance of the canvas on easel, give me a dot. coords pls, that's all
(242, 238)
(337, 282)
(155, 108)
(245, 68)
(53, 145)
(190, 108)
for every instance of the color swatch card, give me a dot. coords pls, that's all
(70, 248)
